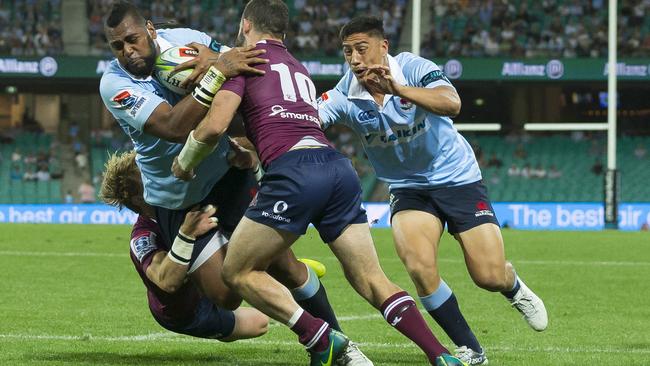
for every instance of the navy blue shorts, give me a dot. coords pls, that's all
(231, 195)
(461, 208)
(209, 321)
(317, 186)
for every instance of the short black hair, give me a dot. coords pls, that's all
(370, 25)
(120, 10)
(268, 16)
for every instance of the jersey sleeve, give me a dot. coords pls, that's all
(204, 38)
(127, 101)
(332, 108)
(236, 85)
(423, 73)
(143, 247)
(187, 35)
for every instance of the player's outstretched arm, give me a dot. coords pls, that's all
(168, 270)
(235, 61)
(441, 100)
(202, 141)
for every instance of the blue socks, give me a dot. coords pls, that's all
(515, 288)
(443, 307)
(313, 298)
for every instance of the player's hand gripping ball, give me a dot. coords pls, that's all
(164, 67)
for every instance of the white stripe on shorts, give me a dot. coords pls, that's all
(217, 241)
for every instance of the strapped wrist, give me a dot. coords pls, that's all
(208, 86)
(181, 250)
(193, 152)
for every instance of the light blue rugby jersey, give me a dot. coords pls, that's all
(132, 101)
(407, 146)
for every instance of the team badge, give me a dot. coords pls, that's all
(483, 209)
(405, 104)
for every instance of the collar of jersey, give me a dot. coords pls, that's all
(163, 44)
(357, 91)
(271, 42)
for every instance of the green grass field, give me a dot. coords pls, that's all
(69, 295)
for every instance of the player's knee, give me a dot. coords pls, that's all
(230, 275)
(421, 270)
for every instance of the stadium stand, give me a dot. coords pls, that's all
(30, 170)
(459, 28)
(534, 28)
(559, 168)
(30, 28)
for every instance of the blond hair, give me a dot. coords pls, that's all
(122, 182)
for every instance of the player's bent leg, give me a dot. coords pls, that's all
(249, 323)
(485, 259)
(206, 274)
(417, 234)
(252, 248)
(356, 252)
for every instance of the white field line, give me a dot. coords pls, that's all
(62, 254)
(444, 260)
(172, 338)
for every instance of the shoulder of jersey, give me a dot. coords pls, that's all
(405, 57)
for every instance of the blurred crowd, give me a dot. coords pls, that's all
(534, 28)
(459, 28)
(314, 24)
(30, 27)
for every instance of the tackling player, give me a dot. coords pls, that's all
(306, 181)
(156, 119)
(400, 107)
(176, 304)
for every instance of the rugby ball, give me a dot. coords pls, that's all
(165, 64)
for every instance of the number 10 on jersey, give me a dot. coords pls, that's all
(306, 87)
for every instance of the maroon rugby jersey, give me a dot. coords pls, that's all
(279, 108)
(172, 308)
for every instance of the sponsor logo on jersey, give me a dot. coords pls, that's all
(366, 116)
(324, 99)
(483, 209)
(280, 207)
(433, 76)
(279, 111)
(125, 100)
(276, 217)
(396, 136)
